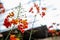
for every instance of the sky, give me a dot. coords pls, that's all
(52, 12)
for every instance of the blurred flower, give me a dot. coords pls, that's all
(10, 14)
(50, 26)
(1, 5)
(12, 37)
(43, 8)
(24, 22)
(53, 23)
(35, 5)
(17, 38)
(23, 25)
(43, 14)
(21, 28)
(14, 21)
(31, 9)
(52, 31)
(37, 8)
(2, 9)
(7, 23)
(20, 20)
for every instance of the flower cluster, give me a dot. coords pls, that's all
(13, 37)
(22, 24)
(8, 23)
(38, 10)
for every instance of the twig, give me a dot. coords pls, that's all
(32, 28)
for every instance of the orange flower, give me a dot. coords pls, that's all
(11, 14)
(20, 20)
(24, 22)
(25, 26)
(14, 21)
(12, 37)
